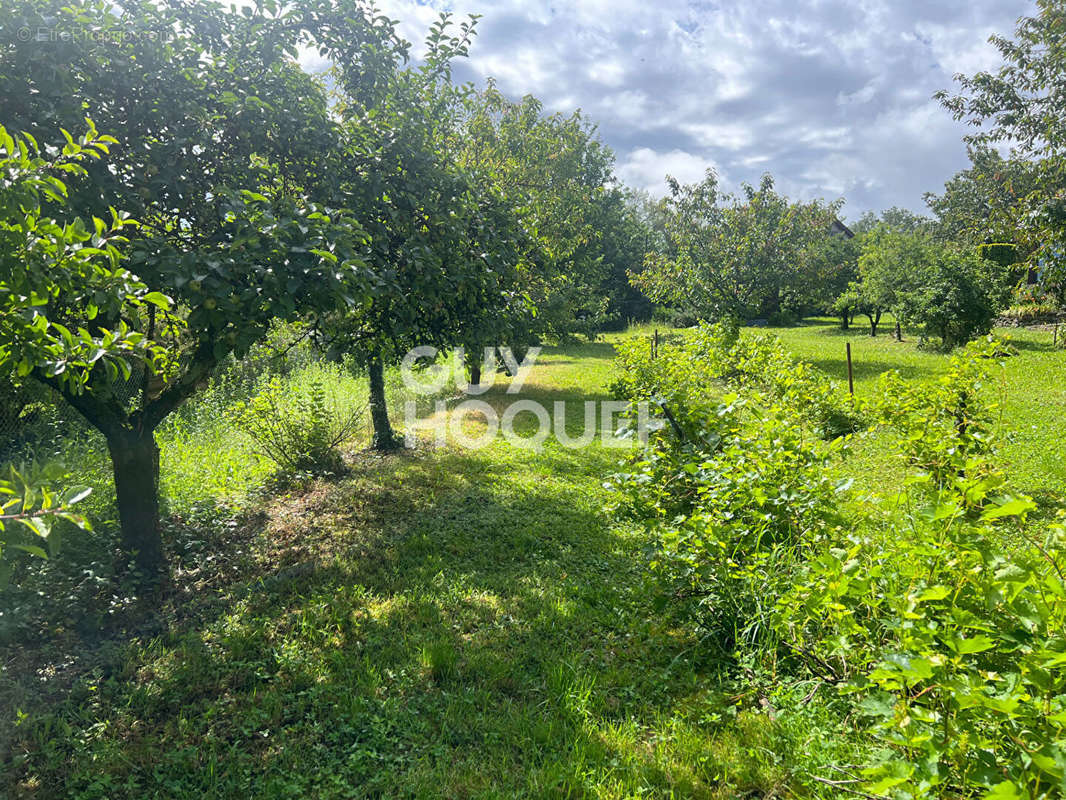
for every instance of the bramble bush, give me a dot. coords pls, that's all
(735, 486)
(945, 427)
(733, 504)
(718, 357)
(300, 424)
(939, 620)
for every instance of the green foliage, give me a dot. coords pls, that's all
(681, 373)
(1020, 195)
(735, 502)
(946, 293)
(44, 261)
(893, 266)
(578, 234)
(857, 298)
(227, 159)
(300, 425)
(29, 507)
(732, 257)
(988, 202)
(959, 298)
(735, 487)
(943, 638)
(1003, 253)
(949, 644)
(829, 266)
(945, 427)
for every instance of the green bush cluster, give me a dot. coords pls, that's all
(716, 358)
(945, 428)
(733, 506)
(938, 622)
(300, 425)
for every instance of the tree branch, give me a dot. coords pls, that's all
(107, 418)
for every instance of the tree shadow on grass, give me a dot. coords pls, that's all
(1033, 346)
(864, 368)
(573, 353)
(470, 623)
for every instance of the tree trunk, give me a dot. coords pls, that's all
(384, 437)
(845, 323)
(475, 373)
(899, 332)
(518, 352)
(875, 319)
(135, 461)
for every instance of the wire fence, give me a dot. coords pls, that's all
(34, 418)
(32, 415)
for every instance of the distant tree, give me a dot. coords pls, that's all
(556, 173)
(959, 298)
(732, 257)
(905, 221)
(945, 292)
(987, 202)
(623, 239)
(891, 268)
(828, 266)
(1020, 104)
(867, 222)
(441, 242)
(855, 300)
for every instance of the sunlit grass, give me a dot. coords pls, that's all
(455, 623)
(443, 623)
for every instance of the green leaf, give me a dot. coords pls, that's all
(39, 525)
(157, 299)
(76, 495)
(1005, 791)
(32, 549)
(1013, 507)
(968, 646)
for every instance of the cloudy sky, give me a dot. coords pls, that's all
(833, 97)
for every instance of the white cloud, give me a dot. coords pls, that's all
(647, 169)
(830, 96)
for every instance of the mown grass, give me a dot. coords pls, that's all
(442, 623)
(445, 623)
(1030, 390)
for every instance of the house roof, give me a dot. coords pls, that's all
(841, 229)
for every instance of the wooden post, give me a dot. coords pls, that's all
(851, 379)
(655, 345)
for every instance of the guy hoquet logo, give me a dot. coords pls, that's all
(603, 418)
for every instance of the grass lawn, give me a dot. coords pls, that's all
(445, 623)
(1030, 389)
(453, 623)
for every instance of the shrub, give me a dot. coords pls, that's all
(300, 424)
(945, 427)
(1031, 304)
(1003, 253)
(734, 501)
(958, 298)
(942, 628)
(1030, 314)
(949, 644)
(945, 632)
(734, 486)
(719, 356)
